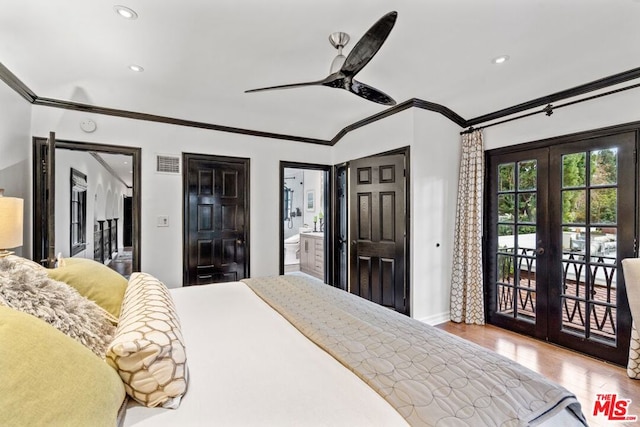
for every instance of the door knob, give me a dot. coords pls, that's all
(540, 249)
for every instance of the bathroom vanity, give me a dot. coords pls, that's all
(312, 254)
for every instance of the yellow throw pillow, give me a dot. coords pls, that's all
(148, 350)
(33, 292)
(50, 379)
(94, 281)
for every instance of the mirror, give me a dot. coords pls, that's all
(77, 213)
(288, 204)
(96, 212)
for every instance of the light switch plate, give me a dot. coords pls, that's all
(163, 220)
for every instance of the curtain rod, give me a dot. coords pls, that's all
(549, 108)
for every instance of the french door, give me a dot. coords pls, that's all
(559, 221)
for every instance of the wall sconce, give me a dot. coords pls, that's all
(11, 231)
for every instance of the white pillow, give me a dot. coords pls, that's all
(148, 350)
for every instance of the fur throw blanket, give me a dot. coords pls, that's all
(33, 292)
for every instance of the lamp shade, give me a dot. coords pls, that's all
(10, 222)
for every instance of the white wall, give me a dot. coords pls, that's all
(435, 159)
(162, 194)
(434, 143)
(611, 110)
(15, 149)
(313, 182)
(434, 150)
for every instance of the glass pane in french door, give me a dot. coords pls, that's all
(589, 239)
(516, 234)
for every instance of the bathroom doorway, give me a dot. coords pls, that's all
(304, 219)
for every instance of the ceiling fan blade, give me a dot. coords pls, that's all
(370, 93)
(369, 44)
(289, 86)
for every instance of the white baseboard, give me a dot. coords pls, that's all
(436, 319)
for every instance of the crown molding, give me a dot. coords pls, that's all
(23, 90)
(87, 108)
(411, 103)
(558, 96)
(16, 84)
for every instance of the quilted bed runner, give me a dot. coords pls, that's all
(430, 377)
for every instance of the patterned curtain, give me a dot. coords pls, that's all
(633, 366)
(631, 269)
(467, 298)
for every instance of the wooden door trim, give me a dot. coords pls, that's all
(327, 209)
(246, 163)
(335, 258)
(39, 210)
(573, 137)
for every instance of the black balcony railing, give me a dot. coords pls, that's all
(105, 240)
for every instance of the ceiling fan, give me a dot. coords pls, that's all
(359, 56)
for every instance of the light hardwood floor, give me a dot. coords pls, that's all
(583, 375)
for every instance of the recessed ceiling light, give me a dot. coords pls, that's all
(500, 59)
(125, 12)
(136, 68)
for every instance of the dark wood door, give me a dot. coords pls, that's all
(593, 221)
(560, 221)
(341, 260)
(519, 241)
(216, 219)
(377, 230)
(44, 169)
(127, 231)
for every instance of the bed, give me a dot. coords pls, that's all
(273, 351)
(342, 364)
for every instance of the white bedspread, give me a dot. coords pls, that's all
(249, 367)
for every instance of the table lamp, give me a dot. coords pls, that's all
(10, 223)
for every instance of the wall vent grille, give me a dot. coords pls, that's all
(167, 164)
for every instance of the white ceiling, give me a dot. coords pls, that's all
(200, 55)
(121, 165)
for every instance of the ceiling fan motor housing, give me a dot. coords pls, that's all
(339, 39)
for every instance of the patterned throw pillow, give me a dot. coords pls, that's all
(31, 291)
(148, 350)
